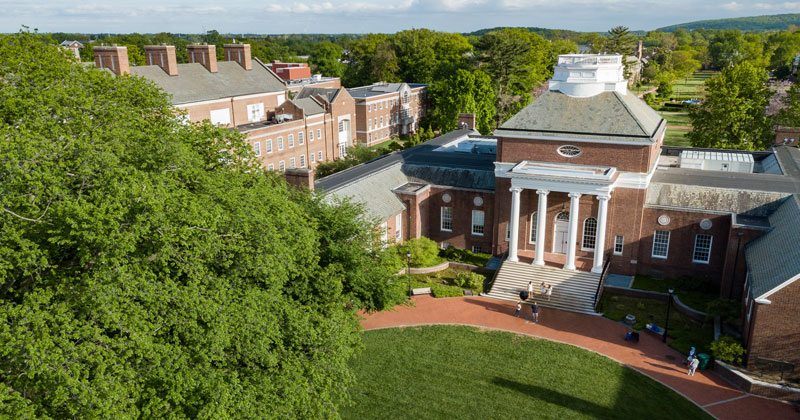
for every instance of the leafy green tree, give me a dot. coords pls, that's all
(789, 114)
(150, 269)
(684, 64)
(326, 59)
(370, 59)
(664, 89)
(733, 113)
(463, 92)
(784, 46)
(619, 41)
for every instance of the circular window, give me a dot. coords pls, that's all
(446, 198)
(478, 201)
(705, 224)
(663, 220)
(569, 151)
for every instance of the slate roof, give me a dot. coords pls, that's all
(327, 93)
(194, 83)
(309, 106)
(377, 90)
(774, 258)
(606, 116)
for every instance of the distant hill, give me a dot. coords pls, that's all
(544, 32)
(747, 24)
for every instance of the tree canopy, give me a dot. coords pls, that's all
(149, 268)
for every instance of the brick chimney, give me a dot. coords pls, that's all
(113, 58)
(162, 56)
(203, 54)
(300, 177)
(239, 53)
(639, 51)
(466, 121)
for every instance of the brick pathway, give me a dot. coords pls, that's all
(598, 334)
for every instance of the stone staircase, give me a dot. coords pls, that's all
(572, 290)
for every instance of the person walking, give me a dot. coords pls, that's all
(693, 366)
(692, 355)
(535, 312)
(530, 289)
(519, 308)
(549, 291)
(544, 288)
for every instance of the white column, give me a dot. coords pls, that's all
(541, 226)
(512, 243)
(600, 239)
(573, 230)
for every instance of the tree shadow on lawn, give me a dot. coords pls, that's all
(557, 398)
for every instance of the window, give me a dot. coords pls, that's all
(477, 249)
(477, 222)
(508, 231)
(281, 98)
(257, 148)
(534, 221)
(398, 227)
(280, 143)
(300, 140)
(342, 149)
(319, 133)
(384, 232)
(618, 243)
(369, 124)
(291, 140)
(291, 163)
(341, 126)
(447, 219)
(589, 233)
(255, 112)
(319, 156)
(220, 116)
(381, 104)
(269, 145)
(660, 244)
(302, 161)
(445, 244)
(310, 136)
(271, 167)
(381, 121)
(282, 166)
(375, 122)
(569, 151)
(369, 136)
(702, 249)
(369, 107)
(312, 156)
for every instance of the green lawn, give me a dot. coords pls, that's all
(383, 147)
(441, 283)
(677, 118)
(450, 372)
(675, 137)
(684, 331)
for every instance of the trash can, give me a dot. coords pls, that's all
(705, 359)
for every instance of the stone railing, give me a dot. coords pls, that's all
(755, 386)
(590, 60)
(443, 266)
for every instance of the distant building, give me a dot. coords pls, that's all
(290, 71)
(244, 94)
(384, 110)
(73, 46)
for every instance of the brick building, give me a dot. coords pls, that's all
(384, 110)
(290, 71)
(245, 95)
(579, 182)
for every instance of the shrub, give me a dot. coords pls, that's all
(650, 99)
(464, 256)
(395, 145)
(424, 252)
(640, 306)
(728, 350)
(441, 290)
(664, 89)
(469, 280)
(727, 309)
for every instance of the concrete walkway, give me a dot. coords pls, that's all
(649, 356)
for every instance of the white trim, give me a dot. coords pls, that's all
(776, 289)
(483, 223)
(622, 245)
(694, 249)
(441, 219)
(519, 135)
(653, 250)
(583, 234)
(533, 220)
(227, 99)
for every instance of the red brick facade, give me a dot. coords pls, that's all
(380, 117)
(772, 330)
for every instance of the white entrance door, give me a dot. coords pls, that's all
(561, 233)
(344, 137)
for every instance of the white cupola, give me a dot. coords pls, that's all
(586, 75)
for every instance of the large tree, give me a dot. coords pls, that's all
(326, 59)
(463, 92)
(619, 41)
(148, 268)
(789, 114)
(733, 114)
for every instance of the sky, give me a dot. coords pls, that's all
(362, 16)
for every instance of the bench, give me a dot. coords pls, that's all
(421, 291)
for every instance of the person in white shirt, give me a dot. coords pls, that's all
(530, 289)
(693, 366)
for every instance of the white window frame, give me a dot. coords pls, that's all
(269, 146)
(255, 112)
(449, 212)
(477, 249)
(707, 251)
(619, 241)
(384, 233)
(398, 227)
(281, 98)
(666, 245)
(280, 143)
(292, 163)
(282, 166)
(290, 139)
(302, 161)
(257, 148)
(369, 124)
(319, 156)
(589, 234)
(508, 231)
(271, 167)
(220, 116)
(313, 158)
(532, 230)
(319, 133)
(300, 139)
(478, 229)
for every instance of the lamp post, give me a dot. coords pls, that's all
(408, 271)
(671, 290)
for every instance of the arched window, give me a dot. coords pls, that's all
(533, 228)
(589, 233)
(562, 217)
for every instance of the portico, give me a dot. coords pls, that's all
(576, 181)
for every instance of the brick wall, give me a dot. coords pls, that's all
(624, 157)
(462, 202)
(774, 330)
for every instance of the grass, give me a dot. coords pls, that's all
(449, 372)
(383, 147)
(677, 118)
(439, 282)
(675, 137)
(684, 331)
(697, 300)
(465, 256)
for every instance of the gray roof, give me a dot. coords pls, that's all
(700, 197)
(376, 90)
(309, 106)
(327, 93)
(774, 258)
(606, 116)
(194, 83)
(374, 191)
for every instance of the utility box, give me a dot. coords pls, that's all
(717, 161)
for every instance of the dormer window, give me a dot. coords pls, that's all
(569, 151)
